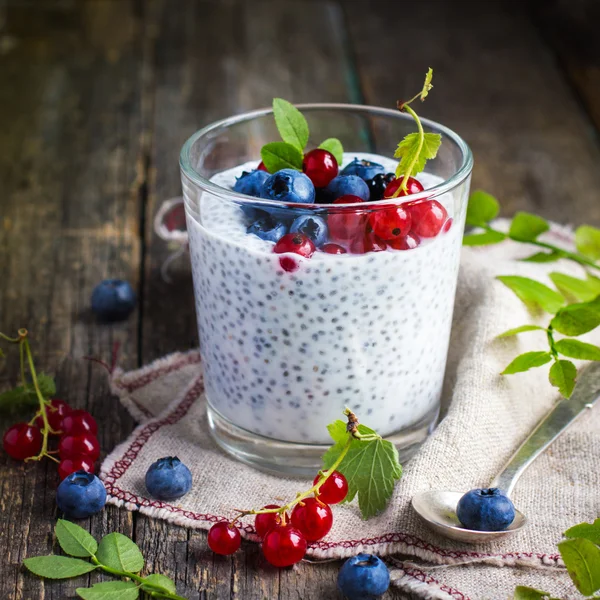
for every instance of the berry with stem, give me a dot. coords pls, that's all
(74, 464)
(284, 546)
(22, 441)
(78, 422)
(77, 445)
(224, 539)
(334, 490)
(263, 523)
(57, 410)
(312, 518)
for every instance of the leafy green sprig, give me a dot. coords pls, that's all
(116, 554)
(294, 131)
(575, 304)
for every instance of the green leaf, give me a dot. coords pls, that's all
(589, 531)
(482, 208)
(526, 227)
(583, 290)
(533, 292)
(427, 85)
(110, 590)
(291, 124)
(526, 361)
(527, 593)
(75, 540)
(544, 257)
(58, 567)
(521, 329)
(577, 319)
(161, 581)
(25, 397)
(117, 551)
(582, 559)
(577, 349)
(281, 155)
(334, 146)
(562, 376)
(408, 151)
(370, 467)
(46, 385)
(587, 241)
(483, 239)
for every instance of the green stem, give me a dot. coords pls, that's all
(408, 171)
(9, 339)
(550, 334)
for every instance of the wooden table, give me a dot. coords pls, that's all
(96, 99)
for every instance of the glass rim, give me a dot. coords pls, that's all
(461, 174)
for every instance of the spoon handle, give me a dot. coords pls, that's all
(586, 393)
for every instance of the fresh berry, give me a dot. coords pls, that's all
(369, 242)
(363, 577)
(378, 184)
(266, 228)
(408, 242)
(333, 249)
(22, 441)
(77, 463)
(80, 495)
(365, 169)
(413, 186)
(284, 546)
(485, 510)
(312, 518)
(224, 539)
(55, 413)
(390, 222)
(348, 185)
(168, 478)
(320, 166)
(347, 223)
(334, 490)
(298, 243)
(113, 300)
(428, 218)
(263, 523)
(312, 226)
(86, 444)
(288, 185)
(261, 167)
(447, 225)
(250, 183)
(78, 422)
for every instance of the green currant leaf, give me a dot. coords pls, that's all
(110, 590)
(58, 567)
(25, 397)
(583, 290)
(408, 150)
(582, 559)
(562, 376)
(589, 531)
(533, 292)
(587, 241)
(334, 146)
(46, 385)
(117, 551)
(577, 319)
(160, 581)
(521, 329)
(527, 593)
(482, 208)
(75, 540)
(281, 155)
(483, 239)
(544, 257)
(526, 361)
(291, 124)
(526, 227)
(427, 85)
(577, 349)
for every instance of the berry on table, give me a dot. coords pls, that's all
(288, 185)
(347, 223)
(224, 539)
(266, 228)
(113, 300)
(334, 490)
(413, 186)
(250, 183)
(320, 166)
(378, 184)
(391, 222)
(22, 441)
(485, 510)
(408, 242)
(333, 249)
(312, 518)
(85, 444)
(263, 523)
(78, 422)
(363, 577)
(168, 478)
(77, 463)
(55, 413)
(365, 169)
(311, 226)
(284, 546)
(296, 243)
(80, 495)
(428, 217)
(348, 185)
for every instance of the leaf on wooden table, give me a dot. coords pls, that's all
(117, 551)
(110, 590)
(75, 540)
(58, 567)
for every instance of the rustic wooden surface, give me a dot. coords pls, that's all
(96, 98)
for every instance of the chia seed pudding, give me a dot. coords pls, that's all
(285, 352)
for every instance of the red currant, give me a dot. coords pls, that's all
(428, 218)
(413, 186)
(22, 441)
(78, 422)
(224, 538)
(369, 242)
(334, 489)
(320, 166)
(298, 243)
(77, 463)
(261, 167)
(284, 546)
(390, 222)
(408, 242)
(55, 413)
(447, 225)
(333, 249)
(265, 522)
(347, 223)
(71, 446)
(312, 518)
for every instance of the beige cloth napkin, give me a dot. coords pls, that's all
(486, 418)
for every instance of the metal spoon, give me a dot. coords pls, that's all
(438, 508)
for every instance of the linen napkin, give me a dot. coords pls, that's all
(485, 418)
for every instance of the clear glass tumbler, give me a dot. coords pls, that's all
(288, 342)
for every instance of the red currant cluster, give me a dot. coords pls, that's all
(285, 536)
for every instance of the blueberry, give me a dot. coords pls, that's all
(312, 226)
(378, 184)
(288, 185)
(363, 577)
(348, 184)
(365, 169)
(113, 300)
(168, 478)
(485, 510)
(268, 229)
(80, 495)
(250, 183)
